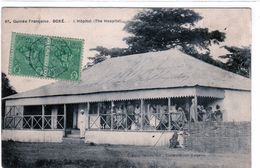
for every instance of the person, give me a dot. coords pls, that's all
(182, 115)
(119, 117)
(218, 113)
(108, 116)
(181, 139)
(187, 110)
(193, 111)
(130, 114)
(209, 114)
(163, 118)
(151, 118)
(102, 116)
(174, 118)
(82, 122)
(201, 113)
(174, 140)
(138, 115)
(178, 139)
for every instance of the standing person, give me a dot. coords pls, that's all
(119, 117)
(218, 113)
(130, 114)
(102, 114)
(108, 116)
(82, 122)
(138, 116)
(193, 111)
(187, 110)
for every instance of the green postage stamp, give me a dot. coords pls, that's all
(46, 56)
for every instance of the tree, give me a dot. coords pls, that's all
(162, 29)
(7, 90)
(238, 60)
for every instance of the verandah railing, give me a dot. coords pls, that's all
(123, 121)
(34, 122)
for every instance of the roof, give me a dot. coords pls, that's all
(163, 69)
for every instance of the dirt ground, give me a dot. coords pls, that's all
(50, 155)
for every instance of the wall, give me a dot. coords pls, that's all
(33, 135)
(129, 138)
(237, 105)
(222, 137)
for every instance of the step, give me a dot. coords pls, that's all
(73, 136)
(72, 140)
(75, 132)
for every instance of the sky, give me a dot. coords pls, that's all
(235, 22)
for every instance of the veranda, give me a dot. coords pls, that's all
(155, 114)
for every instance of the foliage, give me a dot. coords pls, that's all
(7, 89)
(161, 29)
(238, 60)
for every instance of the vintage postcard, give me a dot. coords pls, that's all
(126, 87)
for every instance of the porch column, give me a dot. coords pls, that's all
(169, 115)
(98, 115)
(195, 106)
(64, 115)
(31, 122)
(142, 113)
(112, 115)
(88, 109)
(43, 112)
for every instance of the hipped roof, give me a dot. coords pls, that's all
(154, 70)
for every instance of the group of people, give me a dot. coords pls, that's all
(123, 116)
(158, 116)
(207, 114)
(178, 139)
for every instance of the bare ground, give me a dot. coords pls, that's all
(50, 155)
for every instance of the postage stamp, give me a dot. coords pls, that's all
(46, 56)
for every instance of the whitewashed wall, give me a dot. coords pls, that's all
(33, 135)
(129, 138)
(237, 105)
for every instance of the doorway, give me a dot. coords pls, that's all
(71, 116)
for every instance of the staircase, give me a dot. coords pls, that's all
(73, 138)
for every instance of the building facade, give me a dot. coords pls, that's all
(138, 99)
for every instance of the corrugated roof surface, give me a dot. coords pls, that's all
(163, 69)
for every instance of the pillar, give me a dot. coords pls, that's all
(43, 112)
(64, 116)
(54, 119)
(112, 115)
(196, 107)
(75, 116)
(142, 113)
(88, 115)
(98, 115)
(169, 115)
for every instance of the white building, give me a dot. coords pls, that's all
(154, 81)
